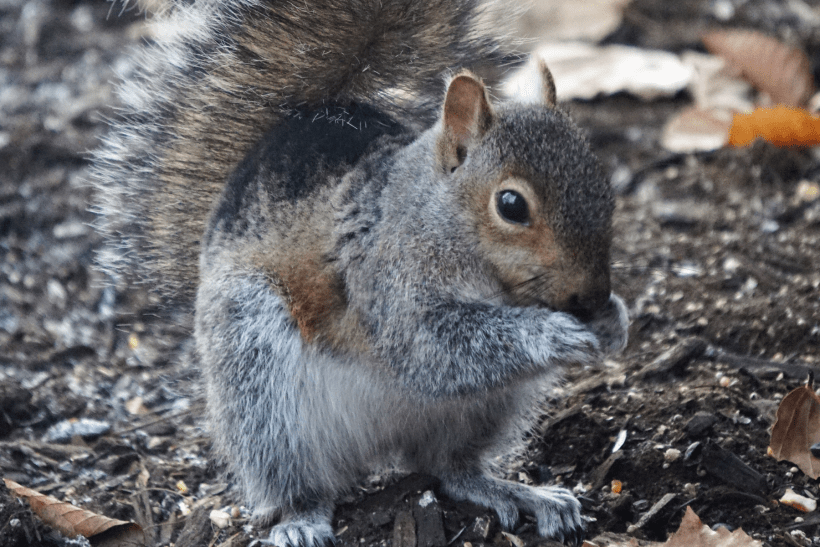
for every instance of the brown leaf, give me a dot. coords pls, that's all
(796, 428)
(781, 71)
(72, 521)
(691, 533)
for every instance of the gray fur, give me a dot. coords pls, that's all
(379, 312)
(218, 74)
(439, 342)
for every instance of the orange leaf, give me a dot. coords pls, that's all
(781, 71)
(796, 428)
(780, 125)
(72, 521)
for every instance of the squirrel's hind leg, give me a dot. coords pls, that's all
(557, 511)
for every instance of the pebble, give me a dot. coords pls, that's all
(221, 519)
(427, 498)
(671, 455)
(699, 423)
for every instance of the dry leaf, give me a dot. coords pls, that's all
(72, 521)
(584, 71)
(697, 130)
(691, 533)
(713, 86)
(781, 71)
(550, 20)
(796, 428)
(780, 125)
(801, 503)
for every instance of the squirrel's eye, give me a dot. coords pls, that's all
(513, 207)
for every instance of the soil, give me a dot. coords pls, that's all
(714, 252)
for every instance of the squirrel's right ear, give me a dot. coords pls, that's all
(466, 118)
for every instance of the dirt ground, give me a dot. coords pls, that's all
(715, 255)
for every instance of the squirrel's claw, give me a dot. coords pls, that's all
(611, 325)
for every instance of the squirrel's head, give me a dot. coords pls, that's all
(535, 193)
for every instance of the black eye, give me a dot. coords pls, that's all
(513, 207)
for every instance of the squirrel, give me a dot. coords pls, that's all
(384, 264)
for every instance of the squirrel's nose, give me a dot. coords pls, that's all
(584, 304)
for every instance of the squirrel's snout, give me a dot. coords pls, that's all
(584, 306)
(585, 296)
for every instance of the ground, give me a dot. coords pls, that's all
(716, 257)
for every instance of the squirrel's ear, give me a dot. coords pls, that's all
(467, 116)
(548, 94)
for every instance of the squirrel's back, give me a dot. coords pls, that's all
(219, 74)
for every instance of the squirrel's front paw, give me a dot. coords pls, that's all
(611, 324)
(569, 340)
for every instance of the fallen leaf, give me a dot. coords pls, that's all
(72, 521)
(590, 20)
(697, 130)
(584, 71)
(781, 71)
(796, 428)
(779, 125)
(715, 86)
(801, 503)
(691, 533)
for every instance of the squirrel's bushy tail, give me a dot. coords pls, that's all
(222, 72)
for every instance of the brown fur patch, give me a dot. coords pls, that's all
(518, 253)
(316, 299)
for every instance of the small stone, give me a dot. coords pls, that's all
(427, 498)
(136, 406)
(481, 527)
(640, 505)
(221, 519)
(692, 450)
(671, 455)
(700, 423)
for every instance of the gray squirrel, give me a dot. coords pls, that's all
(384, 265)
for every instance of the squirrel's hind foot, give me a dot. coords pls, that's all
(556, 510)
(311, 529)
